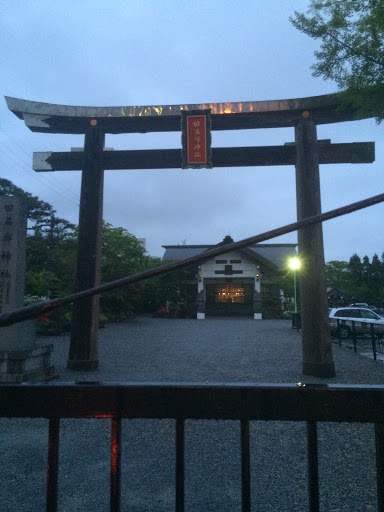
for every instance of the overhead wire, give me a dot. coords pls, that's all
(48, 180)
(40, 177)
(22, 159)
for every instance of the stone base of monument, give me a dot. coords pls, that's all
(22, 359)
(33, 365)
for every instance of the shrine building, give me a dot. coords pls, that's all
(237, 283)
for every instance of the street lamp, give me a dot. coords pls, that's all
(294, 264)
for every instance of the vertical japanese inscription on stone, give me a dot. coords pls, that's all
(20, 358)
(13, 229)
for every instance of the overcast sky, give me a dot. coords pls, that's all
(165, 52)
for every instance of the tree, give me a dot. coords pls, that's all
(51, 260)
(361, 280)
(39, 212)
(336, 274)
(352, 49)
(122, 255)
(50, 248)
(356, 288)
(375, 280)
(176, 289)
(50, 255)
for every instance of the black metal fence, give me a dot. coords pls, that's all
(364, 335)
(180, 402)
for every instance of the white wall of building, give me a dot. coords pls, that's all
(207, 269)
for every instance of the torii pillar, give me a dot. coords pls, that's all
(316, 338)
(83, 351)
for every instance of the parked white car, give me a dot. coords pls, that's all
(362, 317)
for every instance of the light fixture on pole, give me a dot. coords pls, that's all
(294, 264)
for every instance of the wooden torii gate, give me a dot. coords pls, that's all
(306, 154)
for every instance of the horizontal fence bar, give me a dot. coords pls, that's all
(301, 402)
(44, 307)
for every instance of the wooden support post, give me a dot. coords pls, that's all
(316, 340)
(83, 352)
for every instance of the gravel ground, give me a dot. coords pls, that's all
(214, 350)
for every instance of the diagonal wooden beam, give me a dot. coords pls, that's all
(35, 310)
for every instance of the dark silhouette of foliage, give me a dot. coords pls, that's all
(360, 280)
(351, 35)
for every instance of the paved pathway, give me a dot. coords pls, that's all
(214, 350)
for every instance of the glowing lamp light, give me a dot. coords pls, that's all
(294, 264)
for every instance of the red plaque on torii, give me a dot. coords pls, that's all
(196, 139)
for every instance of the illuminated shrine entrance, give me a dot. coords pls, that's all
(230, 297)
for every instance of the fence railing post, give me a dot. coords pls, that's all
(245, 467)
(313, 467)
(115, 464)
(354, 336)
(373, 341)
(338, 331)
(53, 463)
(379, 438)
(179, 466)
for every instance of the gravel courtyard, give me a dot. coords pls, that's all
(176, 350)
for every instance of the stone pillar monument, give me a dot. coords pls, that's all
(20, 358)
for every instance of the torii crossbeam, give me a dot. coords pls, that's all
(306, 153)
(51, 118)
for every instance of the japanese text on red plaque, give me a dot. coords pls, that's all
(197, 139)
